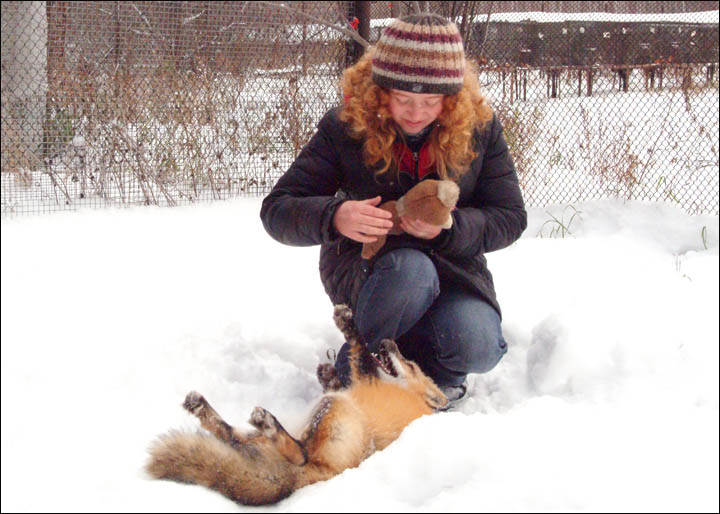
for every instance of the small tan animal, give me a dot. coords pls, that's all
(429, 200)
(264, 466)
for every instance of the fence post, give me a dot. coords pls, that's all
(117, 48)
(362, 12)
(24, 81)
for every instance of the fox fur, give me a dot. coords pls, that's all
(267, 464)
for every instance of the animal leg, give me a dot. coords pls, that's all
(370, 249)
(361, 360)
(271, 428)
(197, 405)
(327, 376)
(344, 320)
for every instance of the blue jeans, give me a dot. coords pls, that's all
(448, 333)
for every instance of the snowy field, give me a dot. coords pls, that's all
(606, 401)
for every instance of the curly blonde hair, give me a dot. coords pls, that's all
(451, 140)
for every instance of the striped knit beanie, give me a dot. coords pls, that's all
(420, 53)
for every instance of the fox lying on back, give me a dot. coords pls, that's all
(264, 466)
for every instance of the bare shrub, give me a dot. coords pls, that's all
(522, 126)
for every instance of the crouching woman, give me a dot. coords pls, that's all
(412, 111)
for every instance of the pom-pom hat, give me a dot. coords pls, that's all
(420, 53)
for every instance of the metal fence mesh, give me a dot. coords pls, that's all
(121, 103)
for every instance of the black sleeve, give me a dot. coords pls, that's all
(497, 216)
(299, 209)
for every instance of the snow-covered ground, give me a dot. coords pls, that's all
(606, 401)
(559, 17)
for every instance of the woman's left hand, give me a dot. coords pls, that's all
(419, 228)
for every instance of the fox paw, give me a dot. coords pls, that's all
(263, 421)
(327, 376)
(194, 401)
(344, 320)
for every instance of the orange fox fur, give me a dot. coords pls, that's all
(264, 466)
(429, 200)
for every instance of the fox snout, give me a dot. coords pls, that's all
(388, 345)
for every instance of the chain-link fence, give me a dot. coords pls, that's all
(159, 102)
(115, 103)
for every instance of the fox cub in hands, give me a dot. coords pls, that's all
(267, 464)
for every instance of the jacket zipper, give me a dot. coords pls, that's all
(415, 157)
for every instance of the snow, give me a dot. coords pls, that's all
(561, 17)
(606, 401)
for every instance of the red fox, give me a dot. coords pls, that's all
(264, 466)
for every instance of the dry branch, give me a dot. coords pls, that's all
(353, 34)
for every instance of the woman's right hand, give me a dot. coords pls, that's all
(362, 221)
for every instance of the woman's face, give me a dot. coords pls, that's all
(414, 111)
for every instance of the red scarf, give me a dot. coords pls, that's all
(407, 159)
(406, 162)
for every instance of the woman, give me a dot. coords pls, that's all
(413, 111)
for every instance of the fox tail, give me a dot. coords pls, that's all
(249, 474)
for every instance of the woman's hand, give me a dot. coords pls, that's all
(362, 221)
(419, 228)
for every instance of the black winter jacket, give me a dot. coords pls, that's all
(330, 169)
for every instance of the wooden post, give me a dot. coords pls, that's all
(513, 76)
(579, 82)
(56, 26)
(502, 77)
(117, 50)
(362, 12)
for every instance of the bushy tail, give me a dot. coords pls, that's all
(250, 474)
